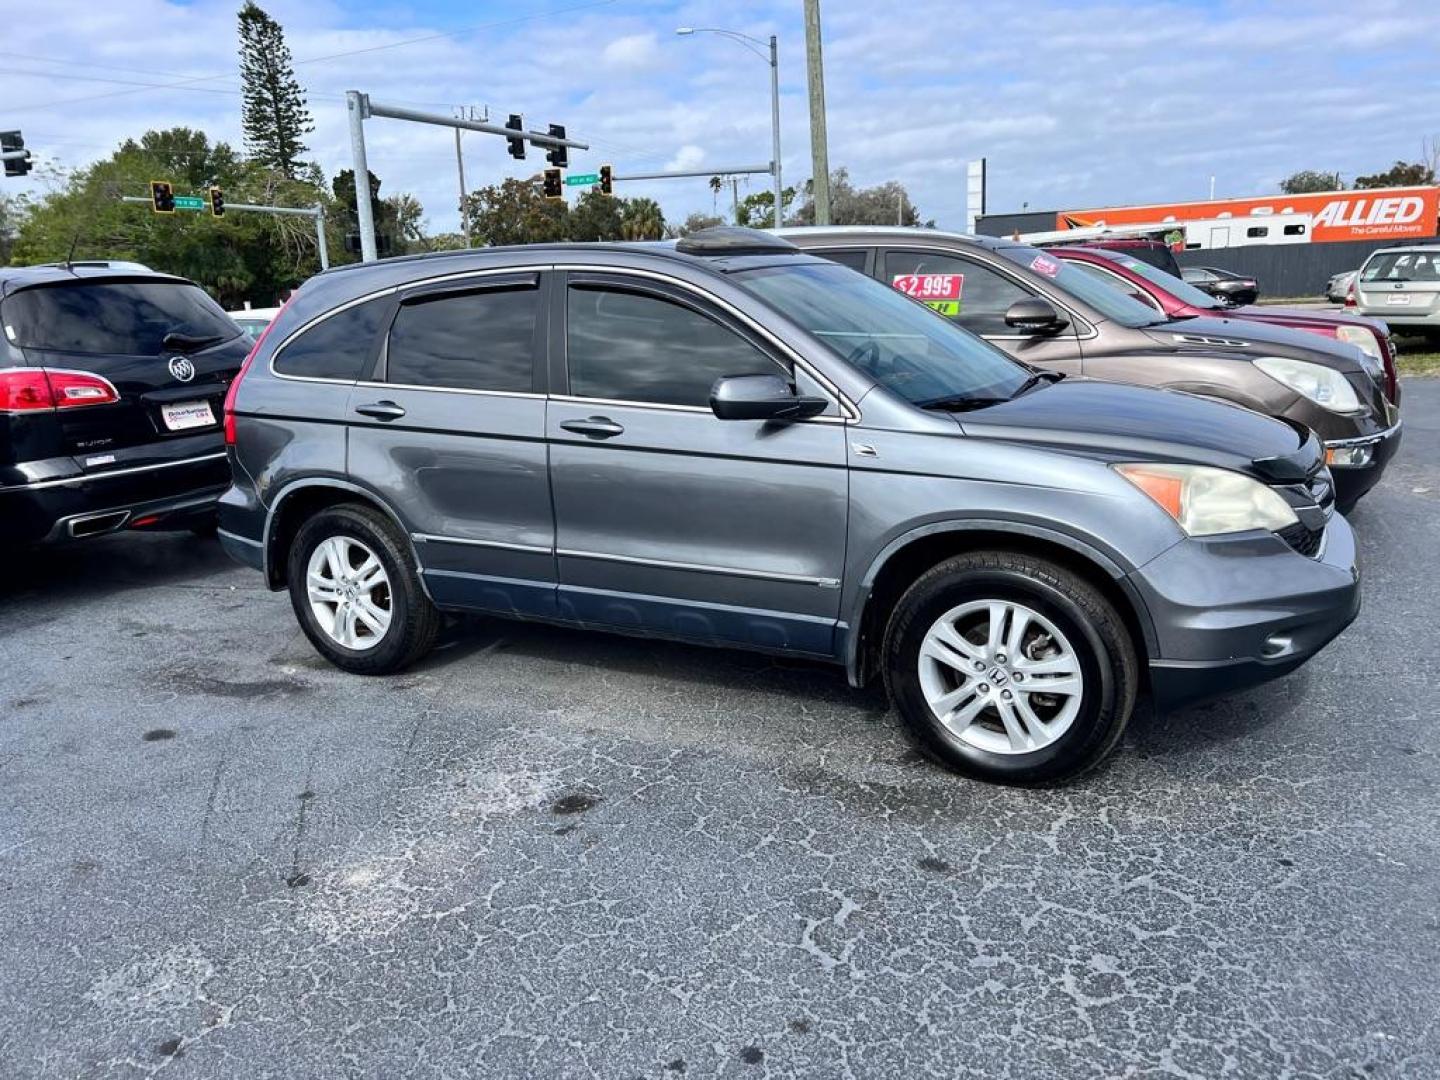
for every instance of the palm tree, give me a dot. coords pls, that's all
(715, 185)
(642, 220)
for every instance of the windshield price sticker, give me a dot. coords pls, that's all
(938, 291)
(929, 287)
(1043, 264)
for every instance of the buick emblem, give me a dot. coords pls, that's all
(182, 368)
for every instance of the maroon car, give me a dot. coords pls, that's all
(1177, 299)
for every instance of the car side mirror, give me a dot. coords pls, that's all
(761, 397)
(1035, 316)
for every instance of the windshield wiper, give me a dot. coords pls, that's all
(1036, 379)
(189, 342)
(961, 402)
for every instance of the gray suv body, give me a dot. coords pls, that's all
(733, 443)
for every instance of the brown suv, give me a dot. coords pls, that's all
(1047, 312)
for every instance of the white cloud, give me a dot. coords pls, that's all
(632, 52)
(688, 157)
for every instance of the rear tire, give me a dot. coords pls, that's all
(1030, 665)
(357, 593)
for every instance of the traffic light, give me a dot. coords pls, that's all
(162, 197)
(14, 142)
(559, 156)
(217, 202)
(517, 142)
(554, 184)
(607, 180)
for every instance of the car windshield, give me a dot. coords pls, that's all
(126, 318)
(1177, 287)
(897, 341)
(1105, 300)
(1403, 266)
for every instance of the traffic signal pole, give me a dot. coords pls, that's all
(317, 213)
(361, 108)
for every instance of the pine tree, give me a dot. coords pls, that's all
(274, 114)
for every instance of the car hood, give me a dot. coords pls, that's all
(1115, 422)
(1257, 338)
(1303, 317)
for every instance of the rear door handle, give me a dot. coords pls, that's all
(381, 410)
(595, 427)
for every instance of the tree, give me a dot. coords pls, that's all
(885, 204)
(1308, 180)
(642, 219)
(237, 257)
(596, 216)
(693, 224)
(757, 211)
(401, 218)
(1401, 174)
(515, 212)
(12, 216)
(273, 111)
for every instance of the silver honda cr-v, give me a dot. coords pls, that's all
(730, 442)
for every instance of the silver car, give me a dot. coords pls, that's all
(730, 442)
(1401, 285)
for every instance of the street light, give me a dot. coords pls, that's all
(757, 46)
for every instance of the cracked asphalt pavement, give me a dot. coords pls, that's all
(543, 853)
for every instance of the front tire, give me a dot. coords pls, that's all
(1010, 668)
(357, 594)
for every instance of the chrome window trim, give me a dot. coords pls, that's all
(433, 538)
(702, 568)
(84, 478)
(370, 384)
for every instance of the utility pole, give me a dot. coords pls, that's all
(775, 130)
(819, 150)
(460, 168)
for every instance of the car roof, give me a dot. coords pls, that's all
(1402, 248)
(15, 278)
(896, 233)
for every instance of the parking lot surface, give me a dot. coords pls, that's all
(543, 853)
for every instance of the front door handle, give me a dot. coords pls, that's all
(381, 410)
(595, 427)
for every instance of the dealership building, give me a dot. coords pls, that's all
(1291, 243)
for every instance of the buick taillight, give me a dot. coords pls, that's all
(48, 389)
(230, 394)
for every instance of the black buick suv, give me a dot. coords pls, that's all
(111, 385)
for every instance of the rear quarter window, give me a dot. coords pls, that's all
(340, 346)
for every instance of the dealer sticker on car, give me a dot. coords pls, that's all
(187, 414)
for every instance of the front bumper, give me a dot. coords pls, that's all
(1353, 481)
(1233, 613)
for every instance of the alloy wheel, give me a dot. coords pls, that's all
(349, 592)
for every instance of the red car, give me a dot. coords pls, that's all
(1178, 299)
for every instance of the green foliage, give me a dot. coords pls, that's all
(757, 210)
(1401, 174)
(515, 212)
(13, 210)
(694, 223)
(241, 256)
(884, 204)
(273, 112)
(642, 219)
(400, 217)
(1308, 180)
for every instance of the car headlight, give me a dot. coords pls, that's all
(1322, 385)
(1206, 502)
(1362, 336)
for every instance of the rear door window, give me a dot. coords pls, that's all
(855, 259)
(985, 294)
(122, 318)
(628, 345)
(482, 339)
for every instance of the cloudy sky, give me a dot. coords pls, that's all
(1074, 102)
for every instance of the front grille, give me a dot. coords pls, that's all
(1318, 491)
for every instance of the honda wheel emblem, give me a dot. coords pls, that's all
(182, 368)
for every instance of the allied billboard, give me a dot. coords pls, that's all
(1378, 214)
